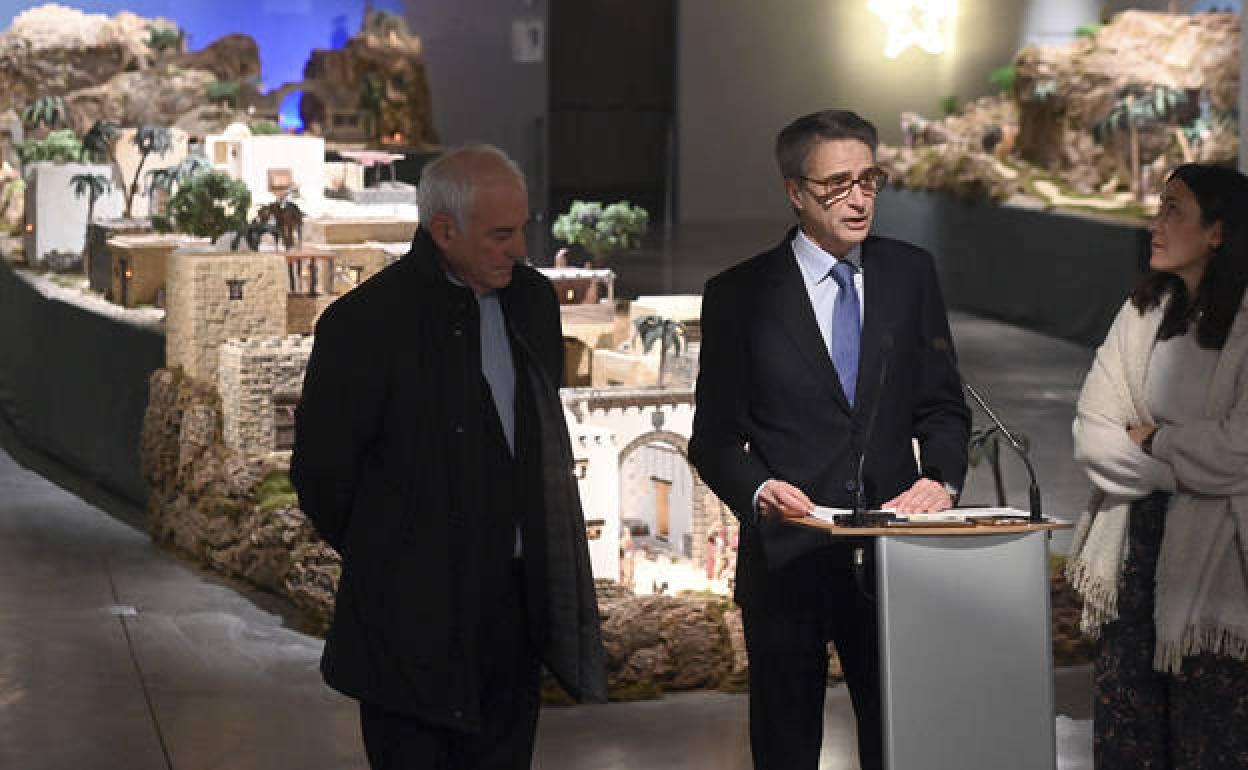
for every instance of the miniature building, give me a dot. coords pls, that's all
(579, 285)
(343, 178)
(596, 456)
(139, 263)
(215, 296)
(98, 258)
(356, 263)
(303, 310)
(645, 422)
(342, 230)
(299, 162)
(56, 219)
(259, 380)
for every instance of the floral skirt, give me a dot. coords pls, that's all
(1194, 720)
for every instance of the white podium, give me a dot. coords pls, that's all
(965, 645)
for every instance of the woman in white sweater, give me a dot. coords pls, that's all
(1161, 558)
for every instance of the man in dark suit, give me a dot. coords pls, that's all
(798, 344)
(431, 451)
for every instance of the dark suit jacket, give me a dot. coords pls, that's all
(390, 438)
(769, 404)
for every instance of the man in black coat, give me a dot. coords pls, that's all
(798, 345)
(431, 451)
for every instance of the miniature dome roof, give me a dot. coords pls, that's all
(237, 131)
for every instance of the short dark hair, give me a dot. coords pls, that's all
(794, 141)
(1222, 194)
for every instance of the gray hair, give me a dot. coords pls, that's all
(449, 183)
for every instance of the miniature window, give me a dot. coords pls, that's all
(235, 286)
(284, 404)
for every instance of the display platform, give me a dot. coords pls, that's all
(73, 383)
(1054, 272)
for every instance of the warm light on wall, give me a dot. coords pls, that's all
(924, 23)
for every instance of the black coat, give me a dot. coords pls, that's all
(389, 445)
(770, 405)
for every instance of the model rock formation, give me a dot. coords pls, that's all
(236, 513)
(234, 57)
(105, 69)
(1094, 123)
(52, 50)
(380, 69)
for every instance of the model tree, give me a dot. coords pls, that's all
(208, 204)
(48, 111)
(164, 180)
(149, 139)
(602, 230)
(161, 40)
(668, 333)
(1139, 108)
(93, 186)
(59, 146)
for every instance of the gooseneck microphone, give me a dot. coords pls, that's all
(1037, 512)
(859, 517)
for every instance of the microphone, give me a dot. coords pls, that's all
(859, 517)
(1037, 512)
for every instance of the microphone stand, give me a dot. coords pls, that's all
(1033, 491)
(859, 516)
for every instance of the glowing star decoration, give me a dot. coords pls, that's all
(924, 23)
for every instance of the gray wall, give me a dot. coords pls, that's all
(480, 94)
(746, 69)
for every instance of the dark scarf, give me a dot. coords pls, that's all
(572, 649)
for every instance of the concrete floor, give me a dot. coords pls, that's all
(116, 654)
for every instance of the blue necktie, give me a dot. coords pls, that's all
(846, 328)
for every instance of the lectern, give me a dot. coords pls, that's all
(965, 644)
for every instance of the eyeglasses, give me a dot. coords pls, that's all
(838, 186)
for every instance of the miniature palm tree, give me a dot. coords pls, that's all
(1138, 107)
(164, 180)
(98, 141)
(49, 111)
(665, 331)
(149, 139)
(93, 186)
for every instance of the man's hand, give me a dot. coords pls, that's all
(779, 498)
(926, 496)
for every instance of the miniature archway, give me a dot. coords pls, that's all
(703, 511)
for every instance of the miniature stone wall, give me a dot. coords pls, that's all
(202, 313)
(251, 373)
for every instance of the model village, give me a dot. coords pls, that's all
(190, 210)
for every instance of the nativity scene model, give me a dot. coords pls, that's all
(168, 184)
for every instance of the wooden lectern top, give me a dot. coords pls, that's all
(970, 527)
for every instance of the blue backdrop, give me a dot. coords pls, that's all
(285, 30)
